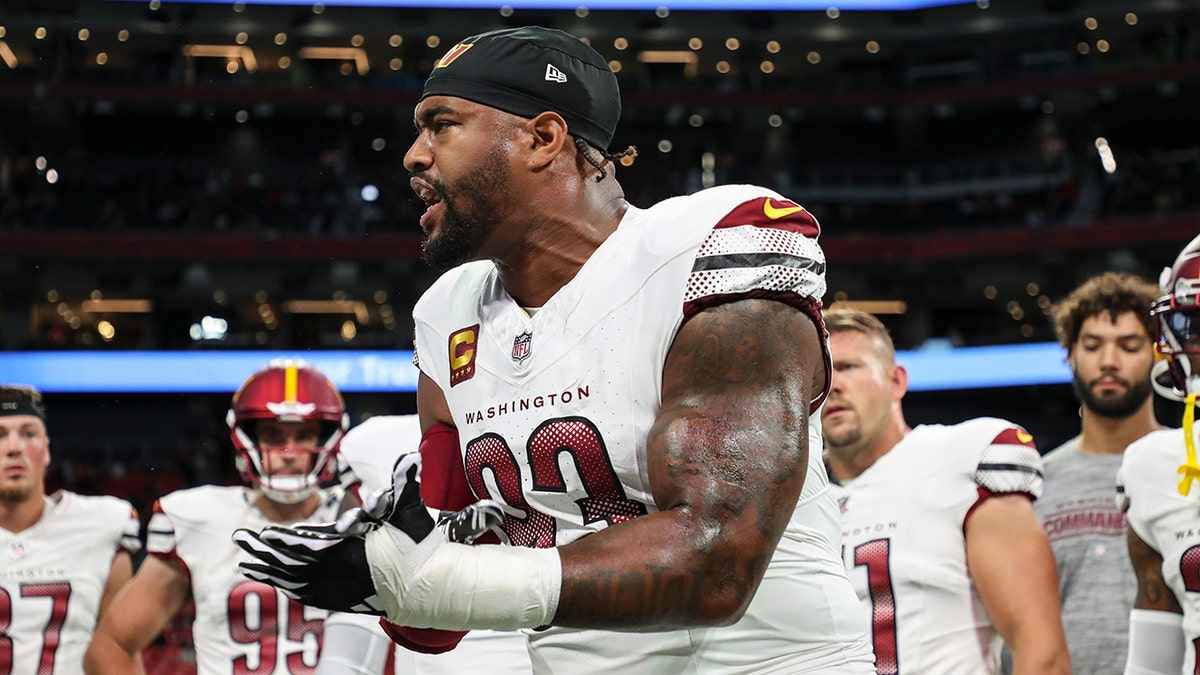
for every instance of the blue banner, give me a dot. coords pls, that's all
(185, 371)
(393, 371)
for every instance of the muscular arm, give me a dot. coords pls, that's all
(139, 612)
(118, 575)
(1156, 637)
(727, 457)
(1012, 565)
(1152, 590)
(431, 404)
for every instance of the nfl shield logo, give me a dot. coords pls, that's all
(521, 347)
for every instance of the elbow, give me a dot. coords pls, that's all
(725, 605)
(92, 659)
(726, 615)
(1059, 665)
(1051, 660)
(1061, 662)
(729, 575)
(105, 656)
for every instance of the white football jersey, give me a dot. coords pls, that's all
(1169, 522)
(241, 626)
(905, 548)
(52, 578)
(371, 450)
(553, 412)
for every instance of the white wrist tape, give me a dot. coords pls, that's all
(440, 584)
(1156, 642)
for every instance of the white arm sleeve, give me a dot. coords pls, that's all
(354, 644)
(1155, 643)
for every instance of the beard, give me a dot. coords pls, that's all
(470, 212)
(1116, 406)
(847, 434)
(15, 495)
(843, 437)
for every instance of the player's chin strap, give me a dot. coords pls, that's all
(1190, 469)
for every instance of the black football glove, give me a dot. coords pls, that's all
(468, 525)
(312, 563)
(325, 564)
(402, 507)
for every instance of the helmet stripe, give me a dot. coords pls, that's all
(291, 375)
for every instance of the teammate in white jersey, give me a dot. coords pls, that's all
(1163, 511)
(286, 422)
(939, 533)
(634, 385)
(355, 643)
(62, 556)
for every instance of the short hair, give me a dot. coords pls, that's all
(20, 399)
(847, 319)
(1112, 292)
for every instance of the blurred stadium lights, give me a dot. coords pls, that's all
(118, 306)
(873, 306)
(355, 54)
(209, 328)
(355, 307)
(244, 54)
(6, 53)
(916, 204)
(688, 59)
(1107, 159)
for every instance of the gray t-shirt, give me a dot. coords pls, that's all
(1095, 578)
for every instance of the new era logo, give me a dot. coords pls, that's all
(554, 74)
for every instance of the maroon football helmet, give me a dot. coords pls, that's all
(288, 391)
(1177, 321)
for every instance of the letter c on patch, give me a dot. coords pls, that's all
(462, 354)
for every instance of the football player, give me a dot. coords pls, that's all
(938, 529)
(633, 385)
(62, 556)
(286, 421)
(1159, 487)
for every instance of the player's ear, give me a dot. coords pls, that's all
(549, 134)
(898, 376)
